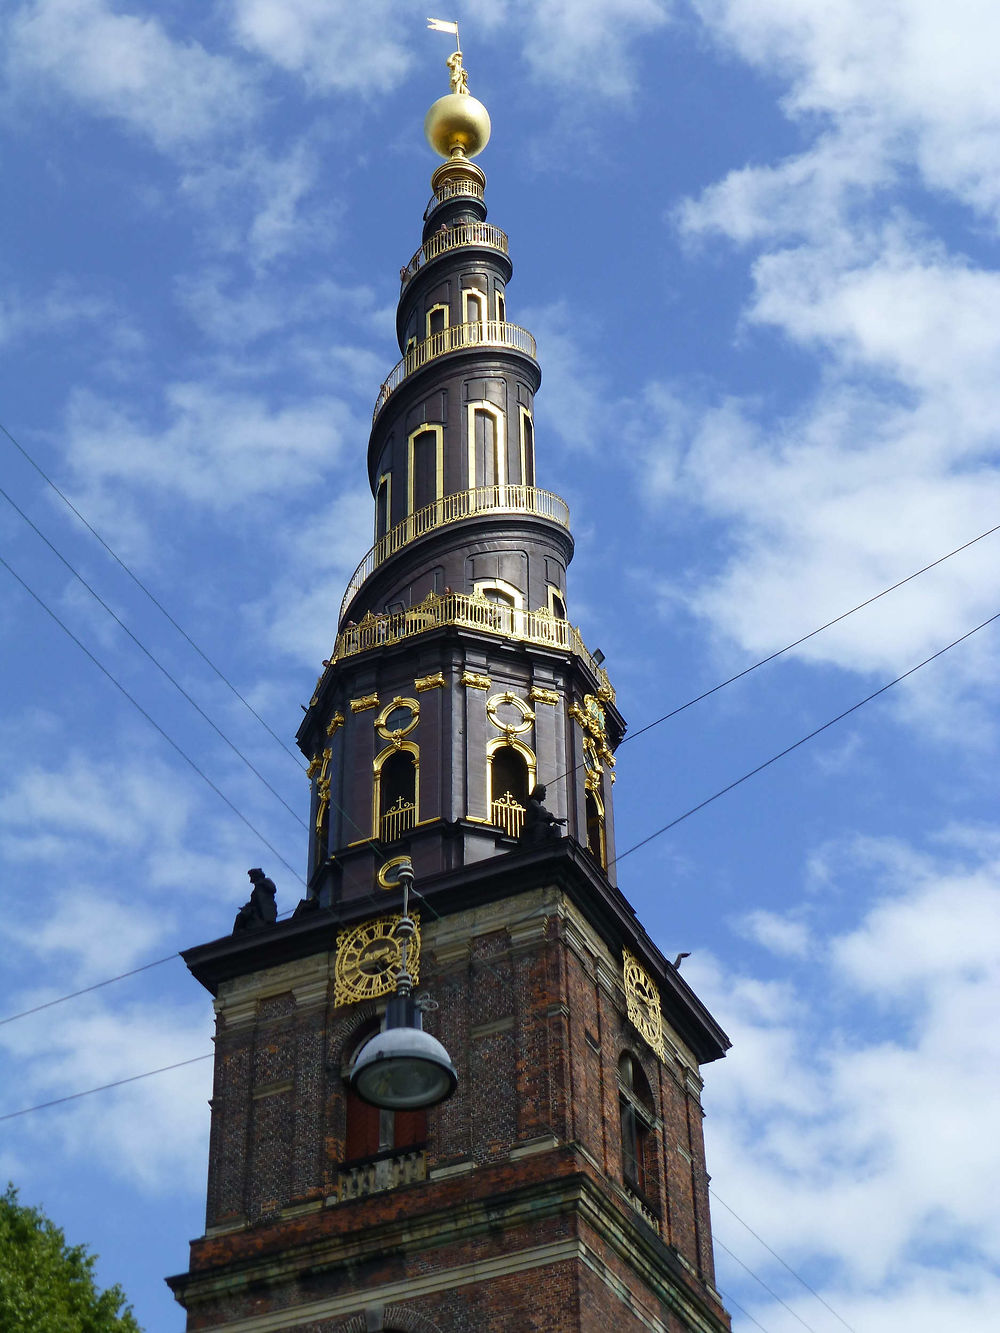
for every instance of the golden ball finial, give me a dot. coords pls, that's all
(457, 125)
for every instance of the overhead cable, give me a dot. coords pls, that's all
(104, 1087)
(773, 1294)
(798, 1277)
(802, 741)
(146, 591)
(634, 735)
(150, 719)
(642, 843)
(155, 661)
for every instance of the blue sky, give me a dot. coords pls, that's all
(757, 241)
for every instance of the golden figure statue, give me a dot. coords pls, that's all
(457, 125)
(459, 77)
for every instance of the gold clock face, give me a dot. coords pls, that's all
(643, 1002)
(368, 959)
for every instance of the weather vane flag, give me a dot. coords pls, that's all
(444, 25)
(459, 77)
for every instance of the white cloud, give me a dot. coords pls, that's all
(300, 612)
(128, 68)
(136, 823)
(152, 1132)
(370, 50)
(333, 45)
(116, 805)
(916, 75)
(884, 456)
(863, 1139)
(63, 309)
(574, 406)
(255, 203)
(572, 43)
(780, 934)
(216, 448)
(234, 313)
(99, 936)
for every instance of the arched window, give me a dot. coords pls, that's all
(508, 602)
(510, 779)
(437, 319)
(371, 1130)
(596, 843)
(426, 448)
(383, 501)
(474, 310)
(638, 1115)
(395, 795)
(487, 460)
(527, 448)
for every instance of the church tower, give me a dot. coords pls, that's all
(460, 728)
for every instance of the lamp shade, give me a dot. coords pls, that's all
(403, 1068)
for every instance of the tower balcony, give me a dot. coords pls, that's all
(468, 612)
(506, 499)
(480, 333)
(480, 234)
(462, 188)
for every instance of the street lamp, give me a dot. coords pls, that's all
(403, 1068)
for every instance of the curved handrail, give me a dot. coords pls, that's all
(458, 189)
(452, 238)
(472, 612)
(450, 509)
(479, 333)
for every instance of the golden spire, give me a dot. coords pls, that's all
(457, 125)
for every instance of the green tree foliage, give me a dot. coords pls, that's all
(47, 1286)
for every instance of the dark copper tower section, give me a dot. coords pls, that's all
(456, 681)
(563, 1186)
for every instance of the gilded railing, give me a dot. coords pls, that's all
(451, 238)
(450, 509)
(478, 333)
(384, 1174)
(454, 190)
(508, 813)
(397, 820)
(473, 612)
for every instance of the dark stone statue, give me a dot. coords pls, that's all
(540, 825)
(261, 910)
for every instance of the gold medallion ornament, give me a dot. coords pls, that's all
(368, 959)
(643, 1001)
(508, 713)
(398, 718)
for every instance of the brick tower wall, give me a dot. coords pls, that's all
(514, 1214)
